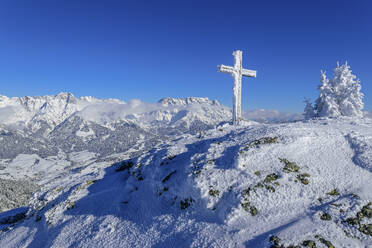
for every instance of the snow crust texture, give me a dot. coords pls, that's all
(257, 185)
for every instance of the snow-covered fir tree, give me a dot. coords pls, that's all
(326, 104)
(347, 86)
(309, 110)
(341, 95)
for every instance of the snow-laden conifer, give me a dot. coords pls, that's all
(341, 95)
(326, 104)
(347, 86)
(309, 110)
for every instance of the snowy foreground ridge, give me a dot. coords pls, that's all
(259, 185)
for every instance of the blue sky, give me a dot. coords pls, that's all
(154, 49)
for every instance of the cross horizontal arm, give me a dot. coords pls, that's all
(225, 69)
(249, 73)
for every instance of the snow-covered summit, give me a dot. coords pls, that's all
(262, 185)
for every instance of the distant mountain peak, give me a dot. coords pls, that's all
(169, 101)
(65, 95)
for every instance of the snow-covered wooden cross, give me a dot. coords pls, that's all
(237, 71)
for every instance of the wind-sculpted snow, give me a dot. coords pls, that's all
(362, 146)
(253, 186)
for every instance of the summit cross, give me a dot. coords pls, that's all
(237, 71)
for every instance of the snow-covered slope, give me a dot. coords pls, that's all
(252, 186)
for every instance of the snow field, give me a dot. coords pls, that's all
(230, 187)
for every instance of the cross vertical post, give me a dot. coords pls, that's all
(237, 72)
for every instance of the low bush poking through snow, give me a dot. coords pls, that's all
(365, 212)
(303, 178)
(309, 243)
(257, 143)
(325, 242)
(270, 178)
(276, 242)
(333, 192)
(325, 216)
(214, 192)
(289, 166)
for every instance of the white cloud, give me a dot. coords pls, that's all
(107, 112)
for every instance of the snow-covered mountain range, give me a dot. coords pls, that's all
(47, 124)
(35, 112)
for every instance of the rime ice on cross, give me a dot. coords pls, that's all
(237, 71)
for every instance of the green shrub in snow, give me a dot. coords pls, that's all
(270, 188)
(259, 185)
(325, 216)
(70, 205)
(271, 177)
(214, 192)
(253, 210)
(90, 182)
(303, 178)
(353, 221)
(309, 243)
(263, 141)
(275, 240)
(333, 192)
(365, 212)
(366, 229)
(289, 166)
(324, 241)
(246, 192)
